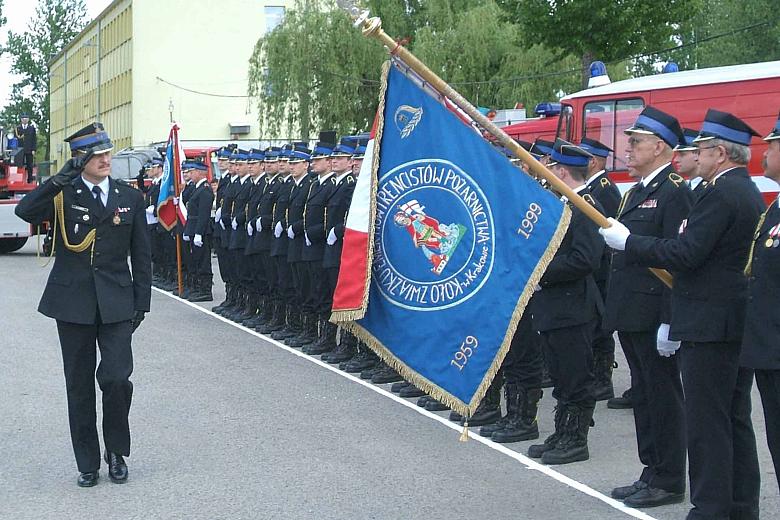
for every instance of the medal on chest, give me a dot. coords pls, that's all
(774, 237)
(116, 220)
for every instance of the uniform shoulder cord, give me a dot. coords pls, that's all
(59, 215)
(749, 266)
(623, 201)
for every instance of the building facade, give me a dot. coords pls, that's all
(143, 64)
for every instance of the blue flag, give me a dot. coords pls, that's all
(461, 238)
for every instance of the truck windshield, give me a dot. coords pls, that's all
(605, 121)
(564, 123)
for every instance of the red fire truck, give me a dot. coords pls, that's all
(751, 92)
(14, 232)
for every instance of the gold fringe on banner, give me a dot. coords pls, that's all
(357, 314)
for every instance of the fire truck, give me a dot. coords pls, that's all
(751, 92)
(14, 232)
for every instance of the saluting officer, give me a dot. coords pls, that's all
(708, 316)
(198, 229)
(566, 315)
(92, 294)
(760, 345)
(28, 141)
(638, 308)
(601, 188)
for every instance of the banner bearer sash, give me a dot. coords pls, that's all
(456, 238)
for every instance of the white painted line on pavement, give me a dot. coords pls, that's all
(528, 462)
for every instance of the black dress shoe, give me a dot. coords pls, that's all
(88, 479)
(117, 469)
(623, 492)
(653, 497)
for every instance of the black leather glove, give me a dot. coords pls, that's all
(72, 169)
(138, 318)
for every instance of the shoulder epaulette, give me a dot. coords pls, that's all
(605, 182)
(676, 179)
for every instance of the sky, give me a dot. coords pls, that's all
(18, 14)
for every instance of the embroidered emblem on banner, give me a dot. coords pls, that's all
(434, 236)
(406, 119)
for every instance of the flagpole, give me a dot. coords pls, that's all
(372, 28)
(177, 191)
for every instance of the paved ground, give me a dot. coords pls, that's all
(227, 425)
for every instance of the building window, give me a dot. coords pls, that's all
(273, 16)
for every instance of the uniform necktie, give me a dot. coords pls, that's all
(97, 192)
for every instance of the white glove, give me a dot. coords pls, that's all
(186, 238)
(176, 201)
(665, 347)
(615, 235)
(197, 241)
(259, 223)
(150, 210)
(290, 232)
(218, 215)
(278, 230)
(249, 229)
(306, 236)
(332, 237)
(234, 223)
(537, 288)
(221, 224)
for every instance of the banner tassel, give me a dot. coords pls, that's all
(464, 435)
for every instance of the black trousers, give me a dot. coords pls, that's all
(302, 285)
(259, 283)
(79, 357)
(317, 284)
(223, 262)
(603, 340)
(328, 289)
(768, 382)
(723, 469)
(658, 411)
(569, 354)
(272, 282)
(29, 164)
(523, 363)
(200, 258)
(284, 279)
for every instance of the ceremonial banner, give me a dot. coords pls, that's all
(167, 209)
(456, 238)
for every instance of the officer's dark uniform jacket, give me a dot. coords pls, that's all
(219, 197)
(280, 244)
(604, 191)
(28, 137)
(262, 239)
(569, 294)
(298, 196)
(253, 212)
(199, 205)
(314, 218)
(761, 340)
(238, 238)
(637, 301)
(708, 259)
(336, 217)
(80, 284)
(226, 217)
(186, 193)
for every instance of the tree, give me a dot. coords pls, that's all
(606, 30)
(54, 25)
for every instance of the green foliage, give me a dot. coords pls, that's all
(606, 30)
(314, 72)
(54, 24)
